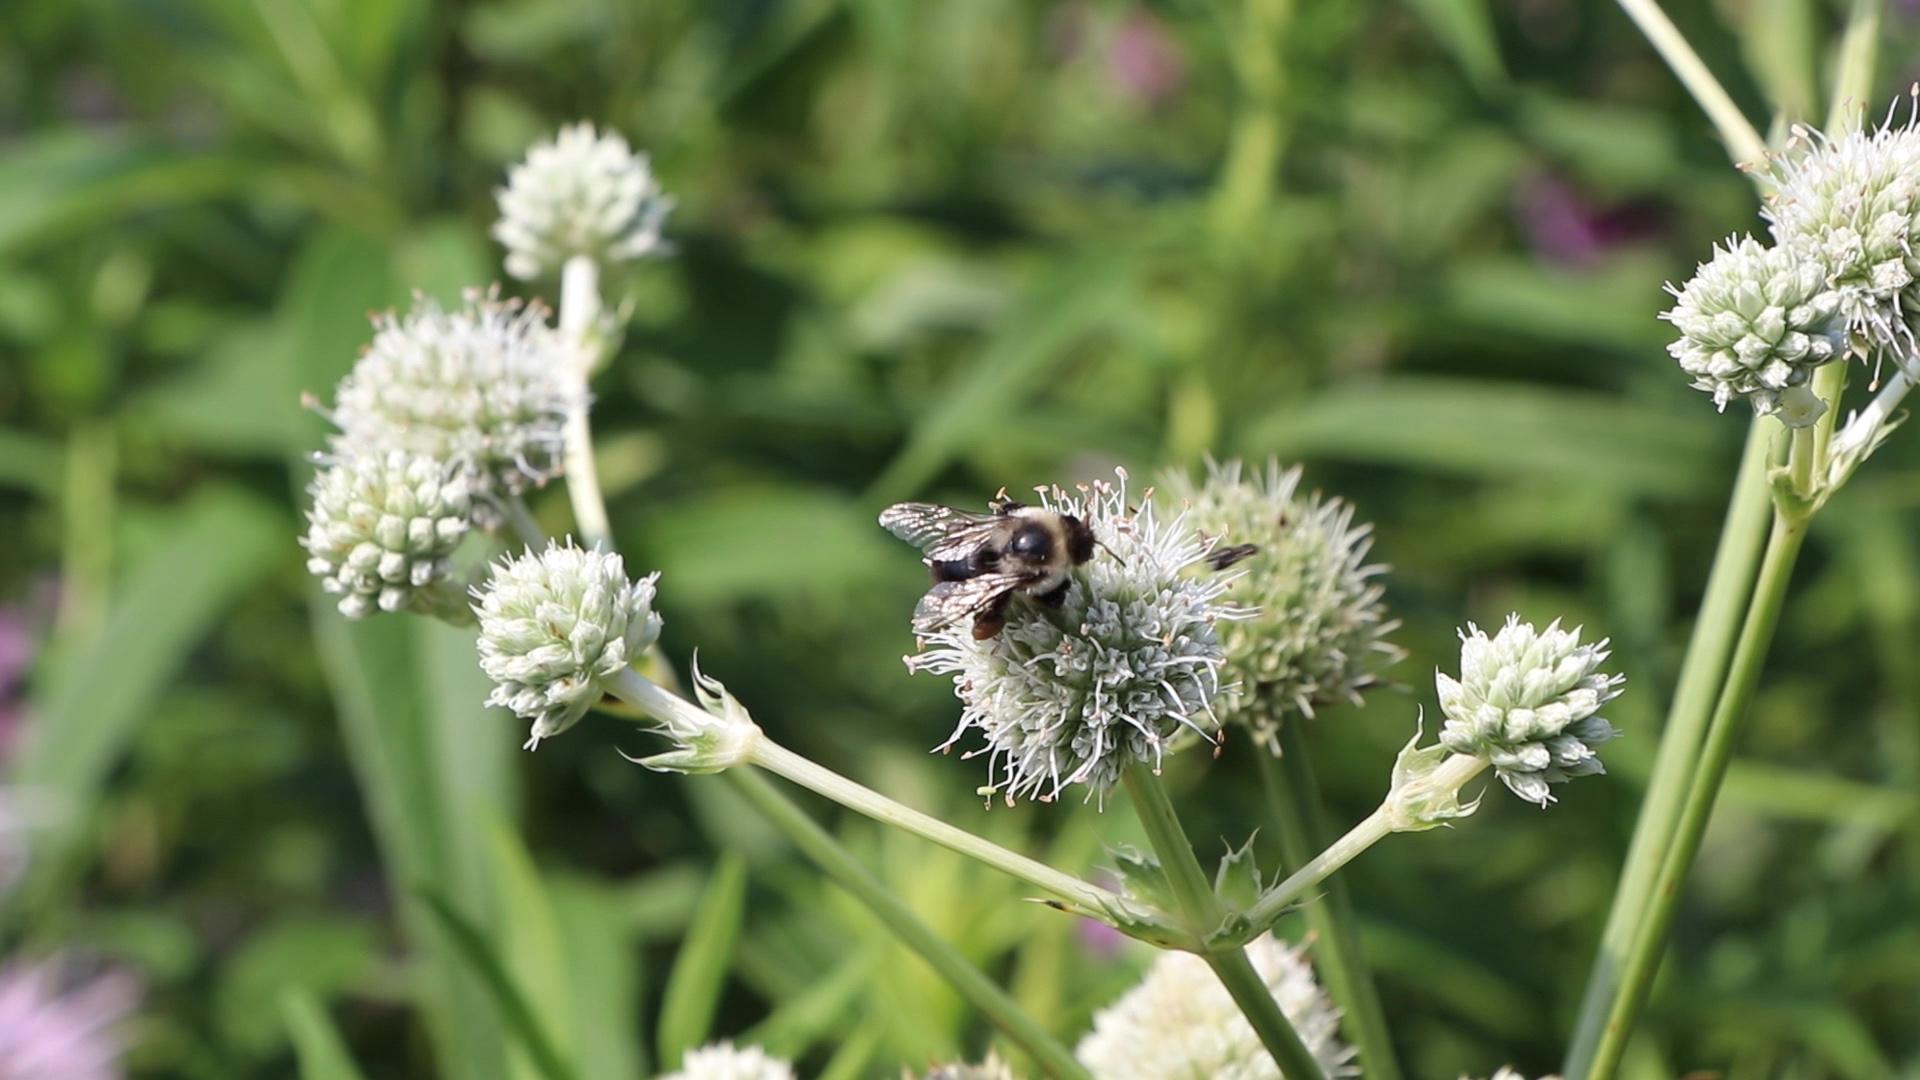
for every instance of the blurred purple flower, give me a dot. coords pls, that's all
(1144, 61)
(17, 649)
(1564, 227)
(53, 1027)
(1101, 941)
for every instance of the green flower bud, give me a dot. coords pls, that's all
(579, 194)
(554, 624)
(1316, 627)
(1755, 322)
(381, 530)
(1528, 702)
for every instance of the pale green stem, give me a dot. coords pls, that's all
(524, 526)
(825, 851)
(1742, 141)
(579, 312)
(1800, 461)
(1452, 774)
(1293, 796)
(1204, 914)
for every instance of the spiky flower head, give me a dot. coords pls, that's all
(580, 193)
(1852, 205)
(725, 1061)
(1755, 321)
(991, 1069)
(1181, 1022)
(1130, 659)
(553, 624)
(484, 388)
(1528, 702)
(382, 529)
(1317, 627)
(54, 1027)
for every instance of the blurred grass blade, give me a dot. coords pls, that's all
(93, 694)
(317, 1045)
(700, 971)
(514, 1008)
(29, 462)
(1465, 27)
(601, 960)
(64, 182)
(528, 936)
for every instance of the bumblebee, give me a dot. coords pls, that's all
(979, 561)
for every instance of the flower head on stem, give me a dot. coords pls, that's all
(382, 529)
(580, 193)
(725, 1061)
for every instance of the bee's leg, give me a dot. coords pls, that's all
(1055, 596)
(951, 570)
(992, 618)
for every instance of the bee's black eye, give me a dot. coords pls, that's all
(1030, 542)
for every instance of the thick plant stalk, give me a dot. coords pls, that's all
(1743, 142)
(1294, 799)
(1204, 913)
(820, 846)
(579, 310)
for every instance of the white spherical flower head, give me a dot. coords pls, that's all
(1853, 204)
(382, 529)
(1181, 1022)
(991, 1069)
(553, 624)
(484, 388)
(582, 193)
(1129, 659)
(1317, 627)
(1509, 1073)
(1528, 701)
(1755, 322)
(724, 1061)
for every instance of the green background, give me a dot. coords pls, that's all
(924, 250)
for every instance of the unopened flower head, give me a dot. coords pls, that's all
(582, 193)
(1754, 322)
(991, 1069)
(553, 624)
(1180, 1021)
(1317, 624)
(1509, 1073)
(725, 1061)
(52, 1025)
(1528, 702)
(1130, 659)
(484, 388)
(1852, 205)
(381, 531)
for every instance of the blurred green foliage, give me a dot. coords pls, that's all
(924, 250)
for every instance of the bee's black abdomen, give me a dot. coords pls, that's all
(992, 618)
(1079, 539)
(1055, 596)
(951, 569)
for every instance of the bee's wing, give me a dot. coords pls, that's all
(952, 601)
(941, 532)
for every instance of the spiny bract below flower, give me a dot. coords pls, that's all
(1181, 1022)
(1851, 204)
(1317, 627)
(991, 1069)
(581, 193)
(483, 388)
(381, 531)
(1754, 322)
(1130, 659)
(1528, 701)
(725, 1061)
(556, 622)
(53, 1027)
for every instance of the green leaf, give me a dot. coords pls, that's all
(508, 996)
(700, 970)
(1237, 881)
(30, 462)
(1465, 27)
(93, 694)
(601, 959)
(304, 954)
(317, 1045)
(65, 182)
(529, 936)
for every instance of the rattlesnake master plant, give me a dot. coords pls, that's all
(382, 529)
(1129, 660)
(724, 1061)
(1852, 205)
(1316, 627)
(1755, 322)
(481, 388)
(991, 1069)
(1508, 1073)
(1181, 1022)
(1528, 702)
(554, 624)
(581, 193)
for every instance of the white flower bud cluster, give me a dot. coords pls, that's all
(1528, 702)
(1130, 659)
(991, 1069)
(553, 624)
(1509, 1073)
(381, 530)
(1317, 623)
(582, 193)
(724, 1061)
(1180, 1021)
(483, 388)
(1755, 322)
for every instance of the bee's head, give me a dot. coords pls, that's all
(1080, 541)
